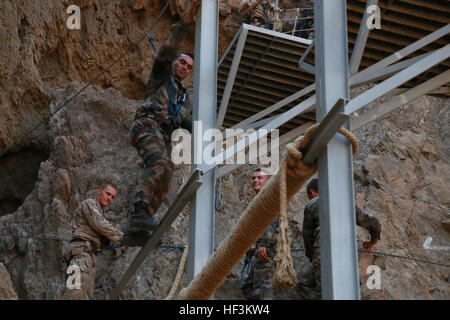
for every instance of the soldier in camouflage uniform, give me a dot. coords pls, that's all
(258, 283)
(309, 286)
(261, 13)
(90, 226)
(164, 109)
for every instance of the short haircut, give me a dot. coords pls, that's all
(262, 170)
(313, 185)
(107, 183)
(190, 54)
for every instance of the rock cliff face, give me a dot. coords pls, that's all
(401, 171)
(6, 288)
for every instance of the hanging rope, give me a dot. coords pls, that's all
(285, 276)
(177, 280)
(258, 216)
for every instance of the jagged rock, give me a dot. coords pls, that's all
(6, 288)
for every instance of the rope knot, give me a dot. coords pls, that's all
(293, 167)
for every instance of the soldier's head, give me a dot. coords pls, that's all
(183, 65)
(106, 194)
(259, 179)
(312, 189)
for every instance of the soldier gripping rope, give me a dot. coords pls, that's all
(309, 287)
(164, 109)
(257, 285)
(90, 227)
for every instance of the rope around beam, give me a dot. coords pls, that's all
(258, 216)
(285, 275)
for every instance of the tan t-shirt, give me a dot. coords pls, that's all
(90, 223)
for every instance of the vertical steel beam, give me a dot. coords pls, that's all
(339, 258)
(201, 220)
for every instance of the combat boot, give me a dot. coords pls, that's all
(141, 221)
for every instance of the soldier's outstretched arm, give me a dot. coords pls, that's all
(98, 222)
(168, 51)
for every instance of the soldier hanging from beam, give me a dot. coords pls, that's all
(164, 109)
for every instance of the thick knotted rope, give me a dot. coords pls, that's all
(177, 280)
(285, 275)
(258, 216)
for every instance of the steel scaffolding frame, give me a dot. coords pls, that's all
(335, 76)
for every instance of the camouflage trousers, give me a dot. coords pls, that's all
(258, 285)
(154, 147)
(309, 286)
(82, 257)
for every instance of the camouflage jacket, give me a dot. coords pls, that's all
(90, 224)
(311, 231)
(268, 240)
(263, 12)
(164, 91)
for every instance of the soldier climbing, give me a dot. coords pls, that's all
(90, 228)
(164, 109)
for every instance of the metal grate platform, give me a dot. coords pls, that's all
(260, 67)
(266, 73)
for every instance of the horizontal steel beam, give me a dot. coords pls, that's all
(398, 79)
(285, 138)
(406, 51)
(183, 197)
(276, 34)
(383, 109)
(358, 80)
(276, 106)
(326, 130)
(262, 132)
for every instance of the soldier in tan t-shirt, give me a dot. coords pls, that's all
(89, 226)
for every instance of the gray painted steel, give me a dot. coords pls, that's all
(201, 220)
(339, 258)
